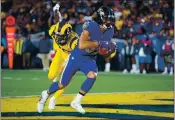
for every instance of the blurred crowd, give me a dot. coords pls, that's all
(144, 30)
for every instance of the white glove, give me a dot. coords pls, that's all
(56, 7)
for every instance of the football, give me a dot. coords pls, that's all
(103, 51)
(107, 52)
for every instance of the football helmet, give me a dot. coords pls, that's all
(105, 17)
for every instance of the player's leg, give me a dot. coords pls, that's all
(54, 70)
(53, 74)
(52, 102)
(53, 99)
(90, 70)
(69, 70)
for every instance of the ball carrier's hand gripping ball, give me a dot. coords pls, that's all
(106, 48)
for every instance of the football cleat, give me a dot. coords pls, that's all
(41, 102)
(52, 103)
(78, 107)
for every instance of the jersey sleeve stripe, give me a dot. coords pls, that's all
(75, 38)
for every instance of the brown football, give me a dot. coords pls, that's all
(103, 51)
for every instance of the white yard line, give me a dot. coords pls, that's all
(9, 78)
(18, 78)
(88, 93)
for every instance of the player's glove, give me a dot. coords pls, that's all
(107, 47)
(61, 40)
(113, 47)
(104, 44)
(56, 7)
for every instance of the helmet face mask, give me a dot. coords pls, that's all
(62, 36)
(62, 39)
(108, 24)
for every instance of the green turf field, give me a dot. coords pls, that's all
(32, 82)
(115, 96)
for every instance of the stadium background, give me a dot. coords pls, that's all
(115, 95)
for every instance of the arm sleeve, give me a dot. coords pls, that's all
(51, 30)
(73, 44)
(51, 33)
(73, 40)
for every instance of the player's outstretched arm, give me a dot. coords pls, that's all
(85, 43)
